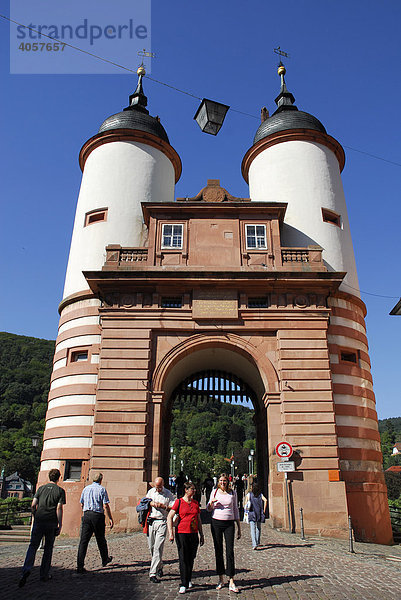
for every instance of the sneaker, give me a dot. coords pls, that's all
(182, 590)
(160, 573)
(106, 562)
(23, 579)
(81, 570)
(190, 585)
(154, 579)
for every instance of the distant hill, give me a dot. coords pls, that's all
(25, 369)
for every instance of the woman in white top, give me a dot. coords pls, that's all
(224, 508)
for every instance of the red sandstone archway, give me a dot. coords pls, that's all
(228, 352)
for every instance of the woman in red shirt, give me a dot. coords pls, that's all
(187, 533)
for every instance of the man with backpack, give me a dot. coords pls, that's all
(161, 502)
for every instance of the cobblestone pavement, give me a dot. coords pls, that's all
(284, 568)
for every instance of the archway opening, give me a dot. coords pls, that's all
(222, 392)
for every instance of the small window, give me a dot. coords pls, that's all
(257, 303)
(349, 356)
(79, 356)
(172, 236)
(331, 217)
(255, 236)
(73, 470)
(171, 302)
(95, 216)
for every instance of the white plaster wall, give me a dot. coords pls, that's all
(87, 399)
(70, 442)
(72, 380)
(117, 176)
(75, 421)
(306, 175)
(79, 340)
(79, 322)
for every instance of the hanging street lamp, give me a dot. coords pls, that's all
(210, 116)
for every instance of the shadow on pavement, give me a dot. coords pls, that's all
(264, 582)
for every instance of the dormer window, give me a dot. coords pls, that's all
(255, 237)
(172, 236)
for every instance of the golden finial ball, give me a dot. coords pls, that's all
(141, 70)
(281, 70)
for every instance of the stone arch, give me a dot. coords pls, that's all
(229, 352)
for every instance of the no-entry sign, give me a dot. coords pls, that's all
(284, 450)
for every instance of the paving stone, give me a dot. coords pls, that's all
(284, 568)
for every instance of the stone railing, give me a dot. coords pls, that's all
(311, 254)
(115, 255)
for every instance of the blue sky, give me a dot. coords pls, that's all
(343, 68)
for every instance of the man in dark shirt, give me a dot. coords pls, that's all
(47, 508)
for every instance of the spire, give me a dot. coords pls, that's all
(138, 100)
(285, 100)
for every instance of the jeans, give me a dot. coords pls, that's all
(187, 545)
(227, 529)
(40, 529)
(92, 523)
(255, 532)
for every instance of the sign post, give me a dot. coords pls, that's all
(284, 451)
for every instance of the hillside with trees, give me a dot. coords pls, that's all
(25, 369)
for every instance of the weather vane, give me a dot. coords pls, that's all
(145, 54)
(279, 52)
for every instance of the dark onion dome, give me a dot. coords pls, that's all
(291, 119)
(135, 120)
(287, 115)
(136, 116)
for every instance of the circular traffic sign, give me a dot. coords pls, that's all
(284, 450)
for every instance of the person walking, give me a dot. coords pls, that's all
(47, 508)
(224, 507)
(188, 510)
(161, 502)
(95, 501)
(208, 485)
(255, 504)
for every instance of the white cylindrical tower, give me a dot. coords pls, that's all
(294, 160)
(128, 162)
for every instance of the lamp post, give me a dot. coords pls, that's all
(182, 465)
(174, 457)
(171, 460)
(232, 468)
(249, 464)
(35, 440)
(252, 462)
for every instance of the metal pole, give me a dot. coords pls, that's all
(288, 503)
(302, 524)
(351, 541)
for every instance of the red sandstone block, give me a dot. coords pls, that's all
(129, 344)
(320, 463)
(314, 417)
(301, 441)
(122, 374)
(117, 428)
(298, 374)
(125, 385)
(123, 364)
(119, 451)
(121, 417)
(319, 354)
(319, 452)
(311, 429)
(301, 396)
(117, 463)
(319, 332)
(118, 406)
(309, 385)
(125, 354)
(120, 440)
(122, 395)
(132, 327)
(124, 334)
(293, 344)
(303, 406)
(302, 363)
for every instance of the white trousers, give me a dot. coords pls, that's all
(156, 539)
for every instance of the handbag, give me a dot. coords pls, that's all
(177, 518)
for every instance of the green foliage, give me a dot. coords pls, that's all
(25, 369)
(206, 432)
(390, 433)
(393, 482)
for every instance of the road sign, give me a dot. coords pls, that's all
(284, 450)
(286, 467)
